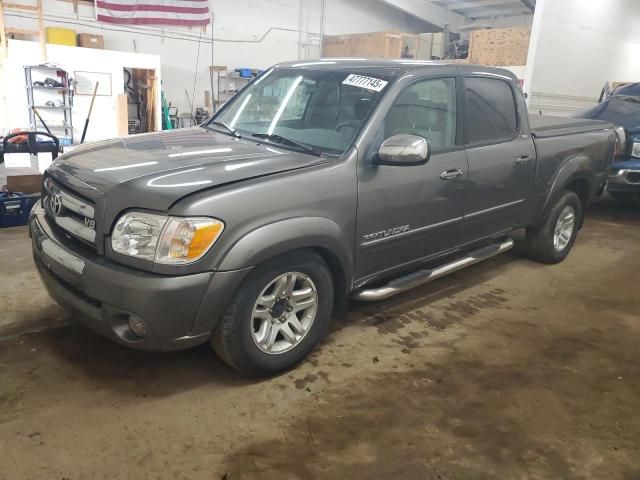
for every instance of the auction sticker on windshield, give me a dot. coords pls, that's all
(370, 83)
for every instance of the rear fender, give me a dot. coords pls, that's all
(576, 168)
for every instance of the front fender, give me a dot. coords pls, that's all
(283, 236)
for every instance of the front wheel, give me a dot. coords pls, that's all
(282, 310)
(552, 241)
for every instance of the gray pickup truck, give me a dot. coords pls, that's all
(319, 181)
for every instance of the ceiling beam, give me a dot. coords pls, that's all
(429, 12)
(499, 12)
(461, 5)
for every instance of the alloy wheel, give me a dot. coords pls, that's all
(564, 228)
(284, 313)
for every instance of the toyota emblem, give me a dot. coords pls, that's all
(56, 204)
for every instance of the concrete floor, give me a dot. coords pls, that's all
(506, 370)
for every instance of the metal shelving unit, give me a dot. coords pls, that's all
(228, 84)
(63, 120)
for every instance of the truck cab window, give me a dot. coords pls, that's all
(426, 108)
(491, 110)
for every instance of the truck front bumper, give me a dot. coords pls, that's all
(624, 176)
(178, 312)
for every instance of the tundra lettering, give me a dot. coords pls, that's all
(386, 233)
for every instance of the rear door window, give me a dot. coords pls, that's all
(491, 113)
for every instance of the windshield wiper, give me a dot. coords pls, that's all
(280, 139)
(218, 123)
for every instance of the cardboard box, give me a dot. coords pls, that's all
(61, 36)
(89, 40)
(24, 180)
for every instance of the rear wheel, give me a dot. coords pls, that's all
(552, 241)
(277, 316)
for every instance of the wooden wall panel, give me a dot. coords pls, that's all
(367, 45)
(122, 115)
(496, 47)
(500, 46)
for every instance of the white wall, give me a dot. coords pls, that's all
(359, 16)
(103, 123)
(247, 33)
(576, 46)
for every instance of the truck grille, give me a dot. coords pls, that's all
(633, 176)
(69, 211)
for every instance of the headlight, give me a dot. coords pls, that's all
(164, 239)
(635, 150)
(136, 234)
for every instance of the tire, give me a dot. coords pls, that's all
(245, 338)
(542, 244)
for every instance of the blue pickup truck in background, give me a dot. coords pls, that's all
(621, 106)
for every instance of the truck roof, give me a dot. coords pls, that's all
(391, 67)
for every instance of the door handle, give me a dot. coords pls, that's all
(451, 174)
(523, 160)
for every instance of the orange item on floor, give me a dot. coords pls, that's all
(19, 138)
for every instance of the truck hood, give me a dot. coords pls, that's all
(619, 111)
(155, 170)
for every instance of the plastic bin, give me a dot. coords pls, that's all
(15, 208)
(61, 36)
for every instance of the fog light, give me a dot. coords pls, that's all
(137, 326)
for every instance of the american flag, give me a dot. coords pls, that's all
(153, 12)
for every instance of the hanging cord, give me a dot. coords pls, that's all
(195, 77)
(214, 105)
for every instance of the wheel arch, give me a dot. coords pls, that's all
(319, 234)
(575, 174)
(581, 186)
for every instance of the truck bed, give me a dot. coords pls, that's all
(543, 126)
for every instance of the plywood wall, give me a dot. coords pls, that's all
(496, 47)
(384, 45)
(500, 46)
(368, 45)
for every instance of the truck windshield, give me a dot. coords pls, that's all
(315, 111)
(631, 90)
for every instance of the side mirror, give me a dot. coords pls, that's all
(403, 150)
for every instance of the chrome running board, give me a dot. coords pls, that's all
(420, 277)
